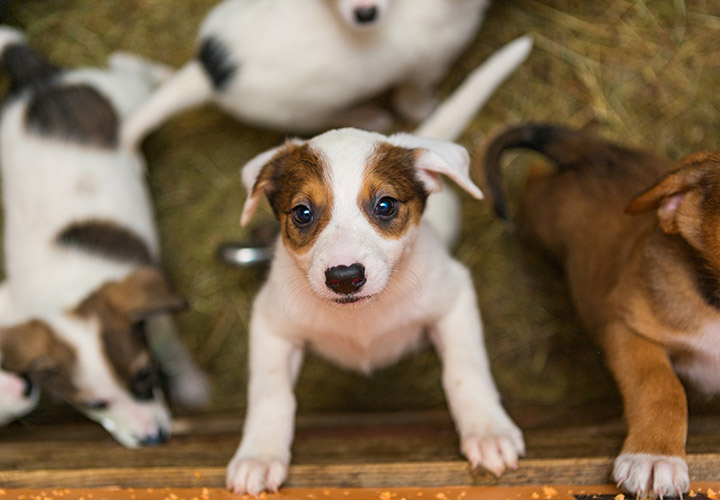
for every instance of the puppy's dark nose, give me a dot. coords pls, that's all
(345, 279)
(365, 15)
(155, 439)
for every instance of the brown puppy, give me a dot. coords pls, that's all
(644, 276)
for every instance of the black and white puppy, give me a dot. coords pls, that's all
(84, 300)
(301, 66)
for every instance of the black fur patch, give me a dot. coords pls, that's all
(77, 113)
(106, 239)
(214, 58)
(26, 68)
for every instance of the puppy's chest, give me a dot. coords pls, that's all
(699, 360)
(704, 342)
(364, 344)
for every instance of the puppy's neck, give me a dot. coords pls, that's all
(701, 273)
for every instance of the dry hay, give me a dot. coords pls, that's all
(642, 72)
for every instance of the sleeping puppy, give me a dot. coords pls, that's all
(362, 276)
(84, 297)
(297, 65)
(644, 277)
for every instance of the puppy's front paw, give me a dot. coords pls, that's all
(255, 475)
(495, 451)
(653, 476)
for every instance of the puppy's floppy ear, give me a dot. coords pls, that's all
(437, 157)
(142, 294)
(667, 194)
(32, 348)
(257, 179)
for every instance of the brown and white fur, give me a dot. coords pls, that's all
(304, 66)
(362, 275)
(640, 243)
(83, 286)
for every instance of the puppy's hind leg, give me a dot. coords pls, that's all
(189, 387)
(488, 436)
(652, 462)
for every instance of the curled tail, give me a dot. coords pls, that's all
(564, 147)
(23, 65)
(449, 120)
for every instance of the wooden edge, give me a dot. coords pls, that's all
(582, 471)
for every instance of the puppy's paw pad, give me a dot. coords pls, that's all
(253, 476)
(653, 476)
(494, 452)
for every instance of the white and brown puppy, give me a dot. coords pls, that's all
(82, 284)
(294, 65)
(362, 275)
(647, 285)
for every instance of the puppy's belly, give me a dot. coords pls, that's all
(365, 351)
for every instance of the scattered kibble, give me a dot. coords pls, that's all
(549, 492)
(620, 497)
(535, 495)
(692, 494)
(711, 493)
(385, 495)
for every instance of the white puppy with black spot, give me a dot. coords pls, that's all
(81, 307)
(305, 65)
(362, 273)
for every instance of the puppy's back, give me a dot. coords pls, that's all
(575, 208)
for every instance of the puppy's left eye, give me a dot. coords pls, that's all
(302, 215)
(385, 207)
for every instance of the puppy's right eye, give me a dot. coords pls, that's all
(302, 216)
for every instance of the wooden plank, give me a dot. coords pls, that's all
(49, 447)
(583, 471)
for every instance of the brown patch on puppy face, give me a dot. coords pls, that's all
(392, 198)
(120, 309)
(295, 182)
(34, 349)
